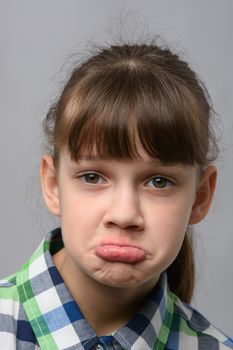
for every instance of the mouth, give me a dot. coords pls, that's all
(120, 252)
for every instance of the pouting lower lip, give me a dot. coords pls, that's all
(120, 253)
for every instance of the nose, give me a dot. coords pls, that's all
(124, 210)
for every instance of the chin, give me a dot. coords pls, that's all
(119, 283)
(122, 277)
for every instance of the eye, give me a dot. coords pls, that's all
(92, 178)
(159, 182)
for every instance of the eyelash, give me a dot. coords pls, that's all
(168, 182)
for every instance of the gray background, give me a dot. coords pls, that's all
(36, 37)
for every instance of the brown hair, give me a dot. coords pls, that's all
(138, 92)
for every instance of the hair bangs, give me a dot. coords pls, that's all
(169, 126)
(127, 107)
(104, 123)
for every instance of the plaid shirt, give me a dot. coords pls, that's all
(38, 312)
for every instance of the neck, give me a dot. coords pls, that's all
(105, 308)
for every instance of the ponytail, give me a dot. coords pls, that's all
(181, 273)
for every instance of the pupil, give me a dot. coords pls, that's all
(93, 178)
(159, 182)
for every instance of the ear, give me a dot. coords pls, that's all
(49, 185)
(204, 195)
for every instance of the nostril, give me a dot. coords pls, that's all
(124, 226)
(134, 228)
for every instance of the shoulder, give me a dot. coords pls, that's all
(194, 331)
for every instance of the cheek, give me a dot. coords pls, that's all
(168, 229)
(170, 214)
(80, 216)
(167, 240)
(75, 206)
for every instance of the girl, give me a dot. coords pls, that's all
(129, 170)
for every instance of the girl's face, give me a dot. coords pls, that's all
(123, 221)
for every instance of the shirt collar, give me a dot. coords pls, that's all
(149, 328)
(58, 322)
